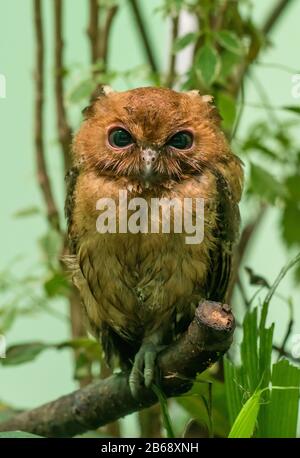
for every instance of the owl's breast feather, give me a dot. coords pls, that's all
(137, 280)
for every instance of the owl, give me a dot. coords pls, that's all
(140, 288)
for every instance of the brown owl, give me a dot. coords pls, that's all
(140, 287)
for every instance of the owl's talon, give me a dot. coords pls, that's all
(143, 369)
(149, 371)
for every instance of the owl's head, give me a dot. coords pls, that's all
(150, 134)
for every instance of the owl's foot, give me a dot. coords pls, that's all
(143, 371)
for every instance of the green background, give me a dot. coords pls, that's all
(51, 374)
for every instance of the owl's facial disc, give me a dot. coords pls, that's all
(149, 157)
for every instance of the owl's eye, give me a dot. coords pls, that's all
(120, 138)
(181, 140)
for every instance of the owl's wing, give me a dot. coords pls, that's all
(71, 179)
(226, 233)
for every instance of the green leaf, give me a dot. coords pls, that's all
(57, 285)
(264, 184)
(26, 212)
(265, 308)
(184, 41)
(207, 64)
(7, 318)
(230, 41)
(229, 61)
(254, 376)
(82, 91)
(285, 269)
(227, 107)
(82, 369)
(233, 389)
(265, 354)
(90, 347)
(193, 402)
(249, 353)
(292, 108)
(256, 279)
(23, 353)
(170, 7)
(18, 435)
(289, 228)
(51, 244)
(292, 184)
(164, 410)
(244, 424)
(282, 409)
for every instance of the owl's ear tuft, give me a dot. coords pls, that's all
(212, 110)
(193, 93)
(100, 91)
(208, 100)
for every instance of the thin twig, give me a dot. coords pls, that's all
(243, 292)
(42, 173)
(144, 35)
(247, 235)
(275, 14)
(284, 68)
(220, 15)
(240, 112)
(267, 28)
(92, 30)
(249, 231)
(63, 128)
(263, 95)
(281, 350)
(103, 38)
(99, 37)
(171, 75)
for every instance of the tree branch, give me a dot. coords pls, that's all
(63, 128)
(249, 231)
(274, 15)
(207, 338)
(144, 35)
(99, 36)
(65, 140)
(271, 21)
(92, 30)
(103, 39)
(172, 65)
(247, 235)
(42, 173)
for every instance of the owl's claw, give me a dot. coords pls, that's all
(143, 370)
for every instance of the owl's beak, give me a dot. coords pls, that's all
(149, 157)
